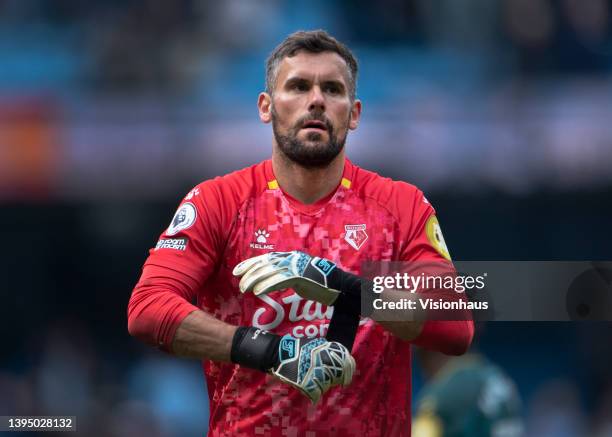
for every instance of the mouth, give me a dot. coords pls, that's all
(315, 124)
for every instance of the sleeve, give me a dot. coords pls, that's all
(425, 242)
(183, 258)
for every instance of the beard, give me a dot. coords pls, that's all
(315, 155)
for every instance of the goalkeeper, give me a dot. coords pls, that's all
(255, 265)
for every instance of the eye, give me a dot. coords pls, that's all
(332, 89)
(299, 86)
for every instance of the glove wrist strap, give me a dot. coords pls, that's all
(350, 287)
(255, 348)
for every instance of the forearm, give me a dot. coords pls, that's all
(451, 337)
(156, 309)
(406, 325)
(202, 336)
(160, 314)
(406, 331)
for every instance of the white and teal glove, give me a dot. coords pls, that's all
(312, 278)
(313, 366)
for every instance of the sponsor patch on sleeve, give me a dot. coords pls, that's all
(172, 243)
(184, 218)
(435, 237)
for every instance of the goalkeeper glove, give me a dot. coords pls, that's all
(312, 278)
(313, 366)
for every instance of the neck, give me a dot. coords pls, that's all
(307, 185)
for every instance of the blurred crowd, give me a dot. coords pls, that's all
(89, 89)
(66, 372)
(171, 46)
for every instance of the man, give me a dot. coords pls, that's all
(466, 396)
(306, 219)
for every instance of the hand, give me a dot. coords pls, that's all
(313, 366)
(320, 365)
(308, 276)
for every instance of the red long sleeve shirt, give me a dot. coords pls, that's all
(228, 219)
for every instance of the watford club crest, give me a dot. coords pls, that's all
(355, 235)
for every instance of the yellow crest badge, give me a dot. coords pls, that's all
(435, 237)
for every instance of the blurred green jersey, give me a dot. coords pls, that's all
(469, 396)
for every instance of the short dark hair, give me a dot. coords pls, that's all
(312, 41)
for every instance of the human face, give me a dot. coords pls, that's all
(310, 108)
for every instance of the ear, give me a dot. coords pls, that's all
(355, 115)
(264, 103)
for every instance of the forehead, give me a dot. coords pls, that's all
(325, 65)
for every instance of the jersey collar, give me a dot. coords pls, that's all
(346, 183)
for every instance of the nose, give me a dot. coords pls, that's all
(317, 100)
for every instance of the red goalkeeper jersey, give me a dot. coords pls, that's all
(231, 218)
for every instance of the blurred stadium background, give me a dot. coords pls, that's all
(110, 111)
